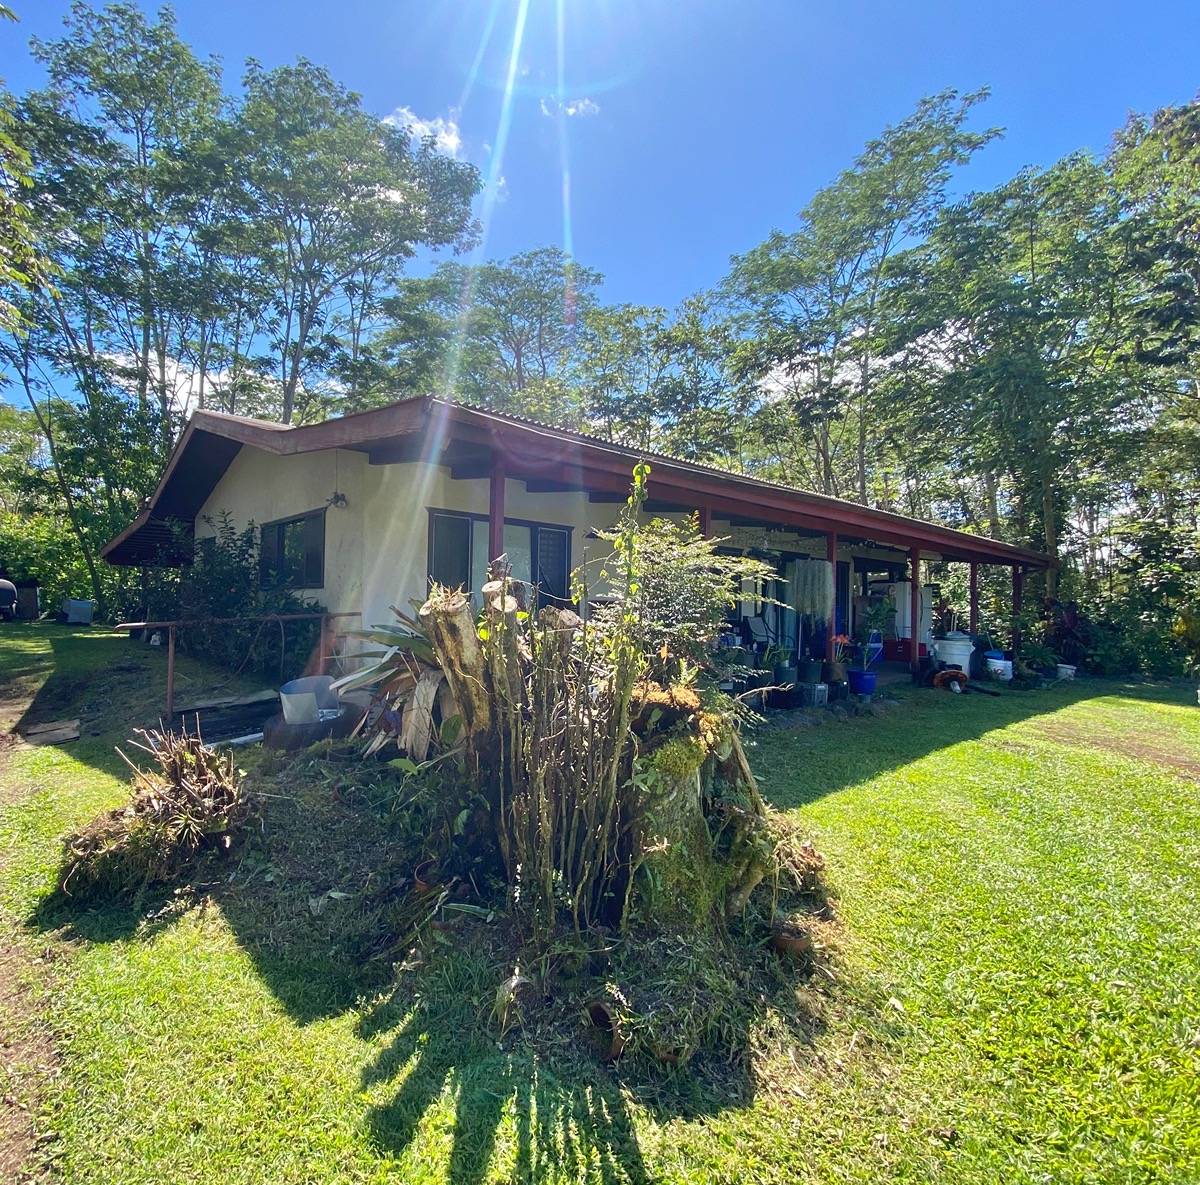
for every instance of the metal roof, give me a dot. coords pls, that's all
(474, 441)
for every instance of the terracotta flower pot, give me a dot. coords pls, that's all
(425, 876)
(791, 941)
(609, 1039)
(837, 672)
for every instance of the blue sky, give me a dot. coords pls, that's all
(692, 127)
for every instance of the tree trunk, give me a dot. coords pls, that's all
(450, 625)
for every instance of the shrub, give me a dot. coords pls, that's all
(224, 581)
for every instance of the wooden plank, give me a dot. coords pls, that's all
(49, 726)
(229, 701)
(57, 733)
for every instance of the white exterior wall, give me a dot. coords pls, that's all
(261, 487)
(376, 547)
(397, 502)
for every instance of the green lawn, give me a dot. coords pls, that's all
(1016, 997)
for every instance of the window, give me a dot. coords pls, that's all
(539, 554)
(450, 550)
(292, 552)
(553, 552)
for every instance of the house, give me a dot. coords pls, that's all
(361, 512)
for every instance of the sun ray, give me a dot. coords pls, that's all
(492, 179)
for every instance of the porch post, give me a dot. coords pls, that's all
(705, 513)
(496, 510)
(831, 547)
(914, 609)
(1018, 588)
(973, 617)
(170, 675)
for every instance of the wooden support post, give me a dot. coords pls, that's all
(705, 513)
(831, 549)
(1018, 588)
(496, 510)
(323, 646)
(973, 594)
(170, 674)
(914, 609)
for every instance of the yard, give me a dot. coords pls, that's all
(1015, 997)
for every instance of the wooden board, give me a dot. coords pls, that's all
(229, 701)
(55, 732)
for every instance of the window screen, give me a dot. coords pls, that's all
(553, 561)
(450, 550)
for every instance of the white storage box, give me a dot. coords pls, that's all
(813, 695)
(1066, 671)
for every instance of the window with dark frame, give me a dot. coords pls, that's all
(292, 552)
(456, 539)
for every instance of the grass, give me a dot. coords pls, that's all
(1017, 995)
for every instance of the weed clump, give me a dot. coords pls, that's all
(192, 800)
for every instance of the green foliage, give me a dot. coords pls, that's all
(676, 592)
(941, 823)
(224, 581)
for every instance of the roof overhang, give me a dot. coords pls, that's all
(476, 443)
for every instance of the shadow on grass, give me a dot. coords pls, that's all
(312, 899)
(538, 1099)
(112, 683)
(798, 767)
(573, 1126)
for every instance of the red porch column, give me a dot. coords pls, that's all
(914, 609)
(831, 546)
(496, 510)
(1018, 589)
(705, 514)
(973, 613)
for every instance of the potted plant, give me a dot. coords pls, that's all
(837, 665)
(780, 659)
(873, 619)
(810, 669)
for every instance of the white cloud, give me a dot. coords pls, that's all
(444, 129)
(572, 107)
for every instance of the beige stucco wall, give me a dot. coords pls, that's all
(397, 499)
(260, 487)
(376, 547)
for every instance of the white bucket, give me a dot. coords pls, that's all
(1001, 668)
(955, 651)
(1066, 671)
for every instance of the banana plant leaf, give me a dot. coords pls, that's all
(399, 639)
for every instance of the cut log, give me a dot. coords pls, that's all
(449, 623)
(681, 882)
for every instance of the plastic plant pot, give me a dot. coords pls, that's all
(862, 682)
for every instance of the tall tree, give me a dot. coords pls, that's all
(808, 301)
(511, 330)
(344, 200)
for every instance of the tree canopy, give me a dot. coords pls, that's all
(1021, 361)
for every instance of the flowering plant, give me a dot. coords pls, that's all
(841, 647)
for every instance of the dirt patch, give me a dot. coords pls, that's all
(1150, 747)
(28, 1060)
